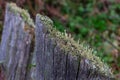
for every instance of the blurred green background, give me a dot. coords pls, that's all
(97, 22)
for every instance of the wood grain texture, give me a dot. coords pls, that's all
(55, 57)
(15, 46)
(53, 63)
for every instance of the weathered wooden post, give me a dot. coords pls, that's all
(56, 56)
(16, 42)
(59, 57)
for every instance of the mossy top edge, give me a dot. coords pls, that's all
(46, 21)
(24, 13)
(68, 44)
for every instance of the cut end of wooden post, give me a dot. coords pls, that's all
(67, 44)
(23, 13)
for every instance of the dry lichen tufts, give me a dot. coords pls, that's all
(68, 44)
(23, 13)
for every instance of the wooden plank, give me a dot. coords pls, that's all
(56, 56)
(59, 57)
(15, 45)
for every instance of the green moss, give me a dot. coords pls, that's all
(31, 66)
(46, 21)
(24, 13)
(68, 44)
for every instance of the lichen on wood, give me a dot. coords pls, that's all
(58, 56)
(22, 12)
(69, 45)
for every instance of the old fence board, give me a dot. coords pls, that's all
(15, 46)
(55, 55)
(56, 63)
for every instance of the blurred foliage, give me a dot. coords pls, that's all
(95, 21)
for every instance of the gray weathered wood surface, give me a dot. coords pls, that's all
(49, 60)
(53, 63)
(15, 47)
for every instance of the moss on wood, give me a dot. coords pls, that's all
(68, 44)
(23, 13)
